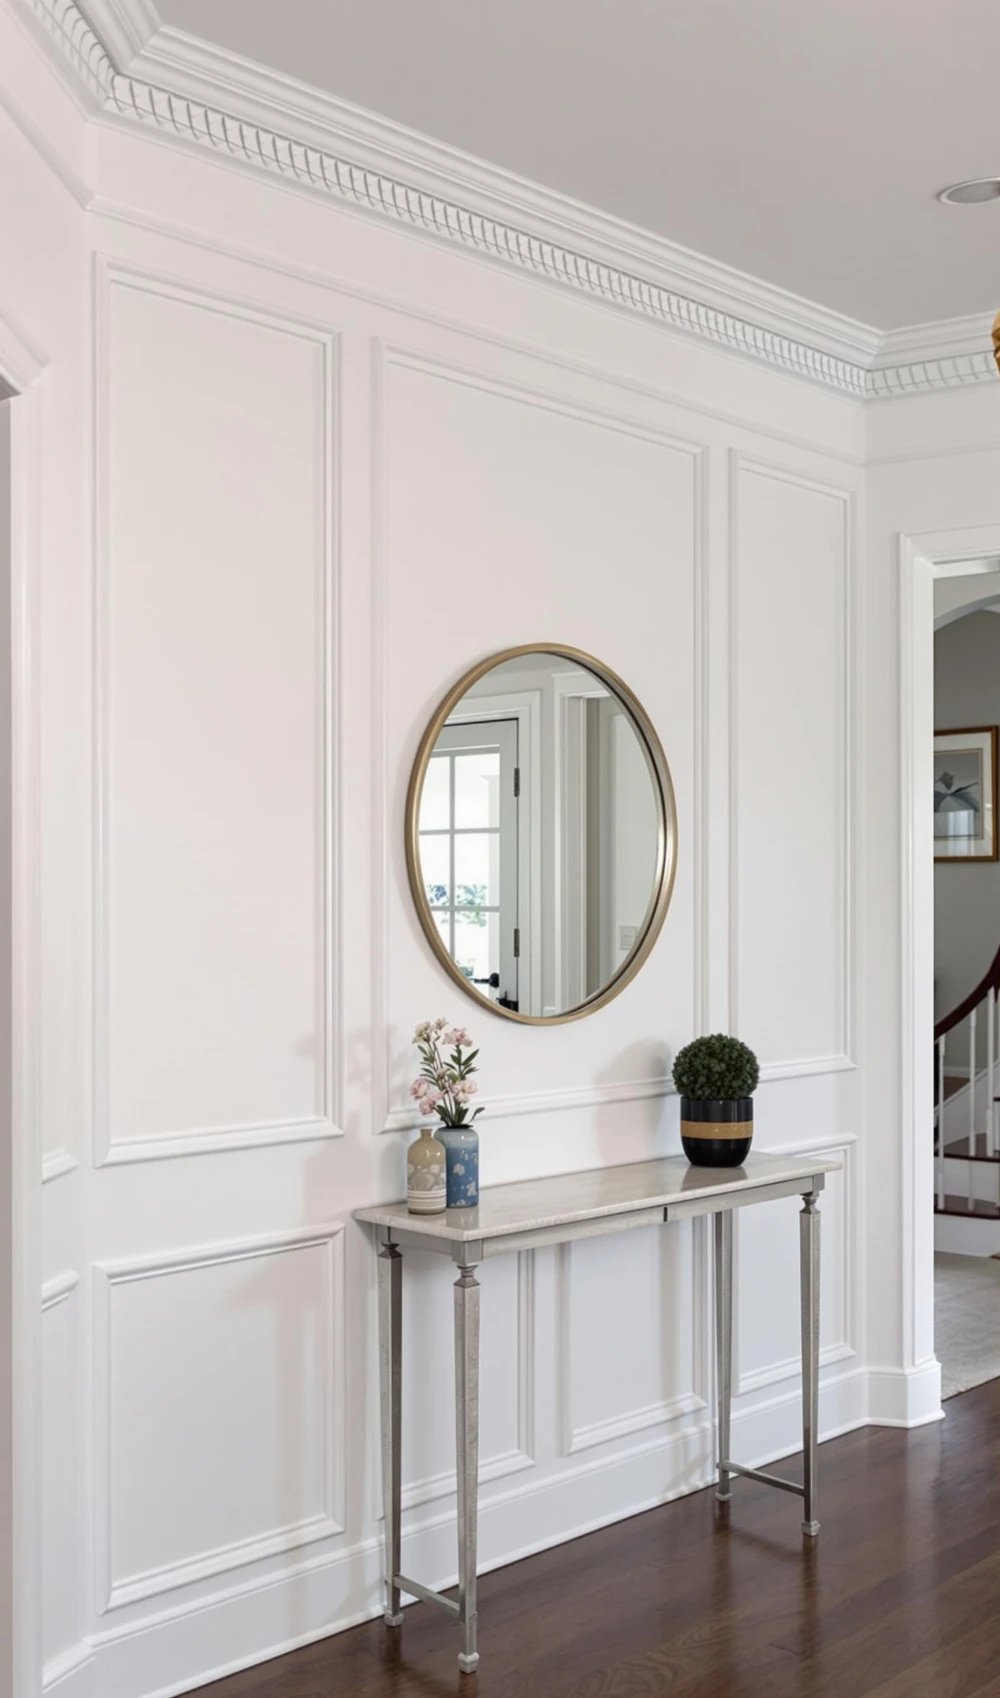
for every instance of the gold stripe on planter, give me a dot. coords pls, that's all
(716, 1128)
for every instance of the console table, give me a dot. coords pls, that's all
(539, 1212)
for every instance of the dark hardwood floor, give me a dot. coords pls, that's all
(898, 1598)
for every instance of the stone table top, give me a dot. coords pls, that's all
(533, 1205)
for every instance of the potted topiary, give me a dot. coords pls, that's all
(716, 1078)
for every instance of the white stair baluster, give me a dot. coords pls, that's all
(991, 1009)
(972, 1088)
(940, 1121)
(994, 1106)
(972, 1100)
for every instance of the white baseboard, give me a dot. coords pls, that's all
(773, 1428)
(959, 1235)
(188, 1645)
(905, 1397)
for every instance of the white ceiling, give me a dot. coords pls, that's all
(802, 141)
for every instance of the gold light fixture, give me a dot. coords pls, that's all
(996, 340)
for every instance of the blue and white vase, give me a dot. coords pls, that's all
(461, 1144)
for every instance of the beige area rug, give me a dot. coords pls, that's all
(966, 1320)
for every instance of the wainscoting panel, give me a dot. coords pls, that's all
(507, 1370)
(214, 587)
(512, 514)
(632, 1315)
(767, 1348)
(791, 780)
(225, 1442)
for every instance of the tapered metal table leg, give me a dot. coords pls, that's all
(724, 1341)
(467, 1455)
(390, 1352)
(809, 1267)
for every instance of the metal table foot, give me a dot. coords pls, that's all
(809, 1272)
(724, 1342)
(467, 1456)
(390, 1356)
(809, 1265)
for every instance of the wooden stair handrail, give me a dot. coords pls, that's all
(989, 981)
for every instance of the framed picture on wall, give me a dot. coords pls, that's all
(965, 788)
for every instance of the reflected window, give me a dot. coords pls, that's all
(468, 852)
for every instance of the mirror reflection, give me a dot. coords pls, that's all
(540, 835)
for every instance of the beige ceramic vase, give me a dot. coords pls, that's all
(426, 1184)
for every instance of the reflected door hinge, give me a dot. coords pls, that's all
(517, 781)
(517, 942)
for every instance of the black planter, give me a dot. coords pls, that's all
(716, 1133)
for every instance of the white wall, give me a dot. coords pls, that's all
(43, 305)
(7, 1284)
(333, 465)
(316, 511)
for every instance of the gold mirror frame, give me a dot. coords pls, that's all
(666, 852)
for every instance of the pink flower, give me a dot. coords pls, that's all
(471, 1087)
(458, 1037)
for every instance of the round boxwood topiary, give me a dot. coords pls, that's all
(717, 1068)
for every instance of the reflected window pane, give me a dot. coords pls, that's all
(435, 807)
(477, 788)
(477, 881)
(435, 870)
(477, 951)
(443, 923)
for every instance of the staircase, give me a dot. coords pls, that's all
(967, 1126)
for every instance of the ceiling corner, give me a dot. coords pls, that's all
(125, 28)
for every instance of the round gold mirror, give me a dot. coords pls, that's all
(541, 834)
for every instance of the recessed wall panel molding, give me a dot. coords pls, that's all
(546, 500)
(768, 1259)
(220, 1409)
(217, 1021)
(792, 953)
(403, 1119)
(508, 1371)
(633, 1319)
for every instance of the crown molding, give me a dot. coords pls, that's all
(947, 354)
(276, 103)
(125, 27)
(139, 70)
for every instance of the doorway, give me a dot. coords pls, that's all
(966, 969)
(941, 558)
